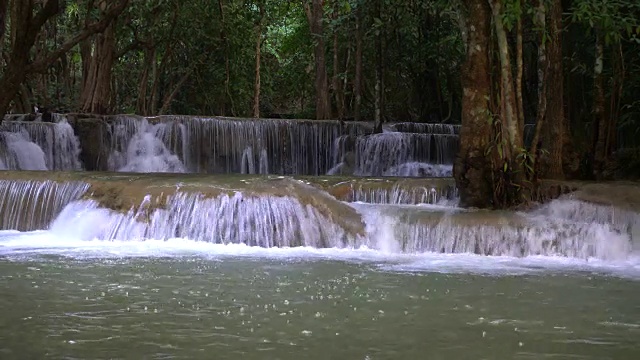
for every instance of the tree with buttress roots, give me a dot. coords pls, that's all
(25, 20)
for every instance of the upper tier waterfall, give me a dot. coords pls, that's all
(219, 145)
(39, 145)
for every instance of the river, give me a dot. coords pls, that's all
(72, 299)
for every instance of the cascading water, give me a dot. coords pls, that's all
(405, 149)
(399, 195)
(620, 220)
(410, 229)
(32, 205)
(289, 213)
(17, 152)
(138, 146)
(225, 145)
(40, 145)
(265, 221)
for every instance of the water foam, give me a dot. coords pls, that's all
(41, 145)
(21, 153)
(264, 221)
(413, 229)
(32, 205)
(138, 146)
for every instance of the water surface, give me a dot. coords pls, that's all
(182, 299)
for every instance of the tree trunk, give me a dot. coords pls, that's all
(357, 88)
(142, 103)
(96, 93)
(256, 86)
(473, 170)
(4, 5)
(379, 74)
(511, 133)
(335, 79)
(540, 22)
(553, 131)
(599, 116)
(166, 103)
(227, 66)
(315, 16)
(519, 72)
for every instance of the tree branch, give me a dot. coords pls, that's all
(41, 65)
(49, 10)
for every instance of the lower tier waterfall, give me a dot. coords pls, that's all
(286, 212)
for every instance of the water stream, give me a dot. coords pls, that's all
(113, 265)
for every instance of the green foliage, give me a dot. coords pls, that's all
(208, 57)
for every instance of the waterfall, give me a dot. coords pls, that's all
(226, 145)
(391, 153)
(408, 196)
(57, 145)
(231, 145)
(266, 221)
(426, 128)
(621, 220)
(31, 205)
(20, 153)
(410, 229)
(138, 146)
(273, 212)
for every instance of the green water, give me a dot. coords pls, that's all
(252, 308)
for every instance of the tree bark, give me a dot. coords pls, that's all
(554, 130)
(378, 111)
(142, 104)
(256, 86)
(519, 73)
(227, 66)
(357, 86)
(315, 16)
(473, 169)
(4, 7)
(540, 21)
(335, 79)
(511, 133)
(96, 91)
(25, 26)
(599, 116)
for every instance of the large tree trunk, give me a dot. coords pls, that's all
(256, 85)
(379, 87)
(25, 26)
(511, 132)
(473, 169)
(315, 16)
(554, 131)
(96, 91)
(4, 6)
(24, 30)
(357, 86)
(540, 23)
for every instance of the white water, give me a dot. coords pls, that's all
(399, 238)
(27, 244)
(418, 169)
(142, 147)
(39, 146)
(21, 153)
